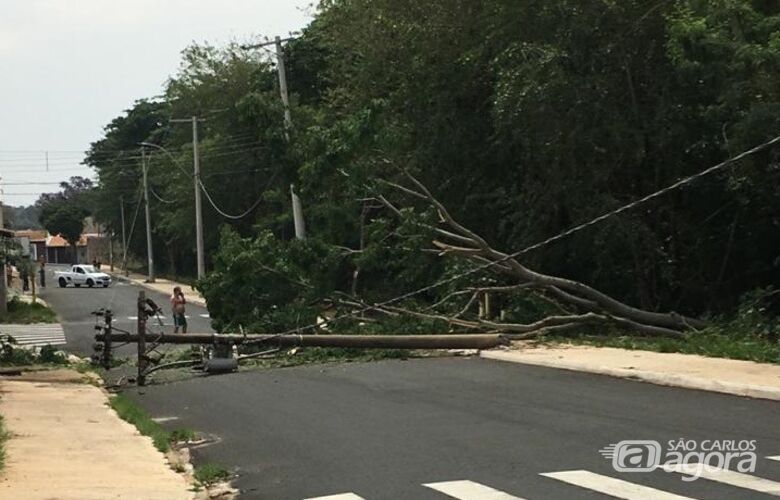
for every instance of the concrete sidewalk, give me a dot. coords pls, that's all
(65, 443)
(742, 378)
(161, 285)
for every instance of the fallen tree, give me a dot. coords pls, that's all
(578, 303)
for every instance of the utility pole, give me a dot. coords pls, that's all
(198, 209)
(283, 85)
(3, 283)
(300, 225)
(124, 238)
(297, 207)
(198, 206)
(149, 251)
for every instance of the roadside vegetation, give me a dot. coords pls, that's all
(423, 162)
(208, 474)
(753, 333)
(3, 439)
(129, 411)
(20, 312)
(12, 354)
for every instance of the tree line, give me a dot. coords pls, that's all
(523, 118)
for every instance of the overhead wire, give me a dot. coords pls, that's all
(563, 234)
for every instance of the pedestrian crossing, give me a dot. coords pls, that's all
(609, 486)
(35, 335)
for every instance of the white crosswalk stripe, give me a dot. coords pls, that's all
(341, 496)
(599, 483)
(35, 335)
(729, 477)
(612, 486)
(469, 490)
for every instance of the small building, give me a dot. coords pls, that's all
(33, 242)
(59, 251)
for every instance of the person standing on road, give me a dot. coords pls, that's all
(177, 308)
(42, 272)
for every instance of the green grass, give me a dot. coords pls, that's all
(703, 343)
(129, 411)
(25, 313)
(207, 474)
(3, 438)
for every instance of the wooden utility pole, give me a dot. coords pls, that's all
(106, 357)
(200, 253)
(297, 207)
(149, 250)
(141, 380)
(124, 237)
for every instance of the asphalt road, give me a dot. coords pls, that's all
(383, 430)
(74, 307)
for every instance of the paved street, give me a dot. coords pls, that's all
(470, 428)
(74, 305)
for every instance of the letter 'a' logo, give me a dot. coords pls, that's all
(633, 455)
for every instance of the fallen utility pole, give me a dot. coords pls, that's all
(473, 341)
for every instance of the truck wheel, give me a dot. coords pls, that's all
(63, 283)
(90, 283)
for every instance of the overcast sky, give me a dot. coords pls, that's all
(67, 67)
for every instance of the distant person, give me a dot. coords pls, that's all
(97, 265)
(177, 308)
(42, 273)
(24, 275)
(9, 273)
(94, 263)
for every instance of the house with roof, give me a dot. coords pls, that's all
(59, 251)
(33, 242)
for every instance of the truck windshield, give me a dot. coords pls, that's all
(88, 269)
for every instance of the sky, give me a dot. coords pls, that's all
(67, 67)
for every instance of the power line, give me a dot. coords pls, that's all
(683, 182)
(224, 214)
(159, 198)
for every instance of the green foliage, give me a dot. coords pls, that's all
(13, 355)
(523, 129)
(25, 313)
(752, 333)
(210, 473)
(3, 438)
(129, 411)
(65, 219)
(264, 284)
(22, 217)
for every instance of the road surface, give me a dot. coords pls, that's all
(74, 305)
(469, 427)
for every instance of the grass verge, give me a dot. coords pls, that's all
(208, 474)
(130, 412)
(25, 313)
(3, 438)
(706, 343)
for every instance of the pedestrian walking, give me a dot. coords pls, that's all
(177, 308)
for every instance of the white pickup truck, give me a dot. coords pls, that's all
(82, 275)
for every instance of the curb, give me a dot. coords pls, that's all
(658, 378)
